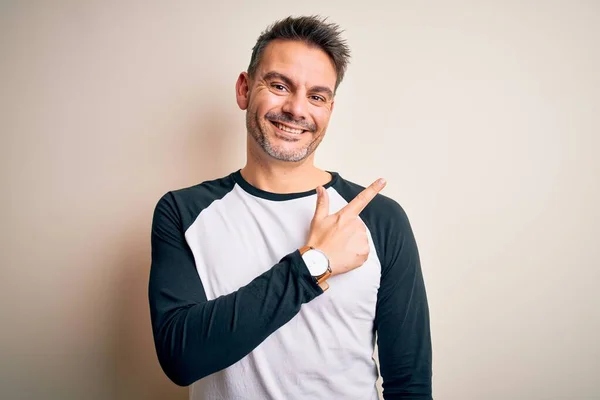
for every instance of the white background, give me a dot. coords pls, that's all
(483, 116)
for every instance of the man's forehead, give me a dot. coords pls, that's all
(298, 61)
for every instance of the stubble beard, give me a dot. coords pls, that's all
(258, 133)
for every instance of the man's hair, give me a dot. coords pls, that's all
(312, 30)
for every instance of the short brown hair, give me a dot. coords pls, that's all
(313, 30)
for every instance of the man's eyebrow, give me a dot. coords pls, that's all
(277, 75)
(323, 89)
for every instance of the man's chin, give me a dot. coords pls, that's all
(285, 154)
(278, 148)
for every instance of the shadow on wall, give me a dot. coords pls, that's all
(132, 362)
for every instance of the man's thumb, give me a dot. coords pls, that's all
(322, 209)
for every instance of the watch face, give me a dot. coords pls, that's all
(316, 262)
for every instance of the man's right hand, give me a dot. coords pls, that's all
(342, 236)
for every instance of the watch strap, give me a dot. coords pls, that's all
(304, 249)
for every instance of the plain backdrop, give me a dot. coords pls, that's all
(484, 117)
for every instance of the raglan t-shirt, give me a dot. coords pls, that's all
(237, 315)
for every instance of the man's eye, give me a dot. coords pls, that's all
(318, 98)
(278, 87)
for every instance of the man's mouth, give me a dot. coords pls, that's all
(288, 129)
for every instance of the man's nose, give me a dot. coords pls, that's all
(296, 105)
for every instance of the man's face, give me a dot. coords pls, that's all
(289, 100)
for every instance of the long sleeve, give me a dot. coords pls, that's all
(195, 337)
(402, 316)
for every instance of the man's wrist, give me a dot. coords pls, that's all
(317, 264)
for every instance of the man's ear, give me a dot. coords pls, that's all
(242, 90)
(332, 104)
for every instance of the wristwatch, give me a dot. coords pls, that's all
(318, 265)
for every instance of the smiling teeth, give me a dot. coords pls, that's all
(287, 129)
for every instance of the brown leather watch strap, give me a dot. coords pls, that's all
(304, 249)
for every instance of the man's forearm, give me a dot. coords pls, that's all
(194, 340)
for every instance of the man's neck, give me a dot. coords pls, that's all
(284, 177)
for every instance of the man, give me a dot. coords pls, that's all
(271, 282)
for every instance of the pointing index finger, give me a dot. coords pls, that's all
(364, 198)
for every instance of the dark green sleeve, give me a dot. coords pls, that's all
(402, 315)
